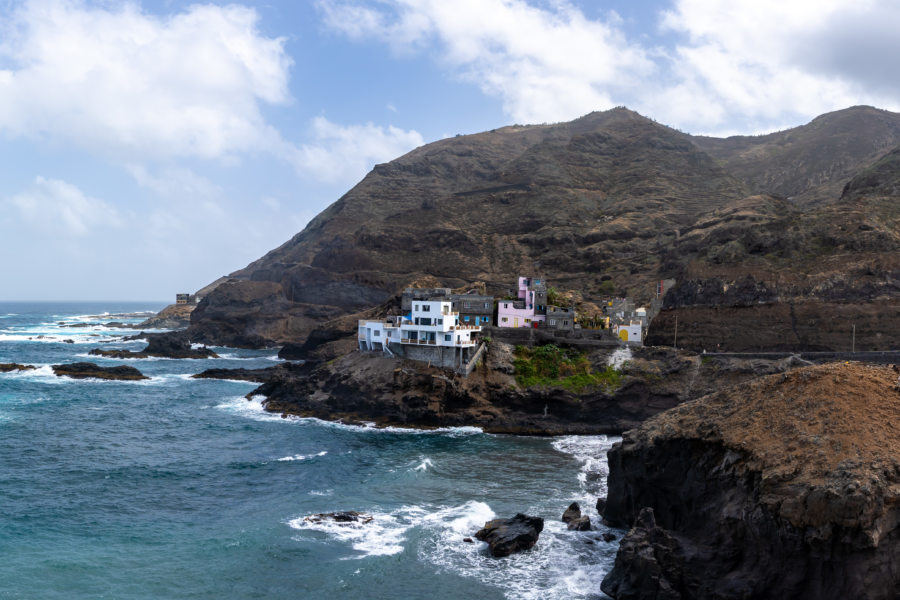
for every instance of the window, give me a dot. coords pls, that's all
(553, 321)
(565, 322)
(439, 321)
(467, 304)
(505, 305)
(505, 319)
(487, 304)
(484, 319)
(527, 321)
(377, 333)
(448, 337)
(426, 308)
(417, 307)
(389, 334)
(466, 318)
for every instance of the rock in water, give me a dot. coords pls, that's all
(86, 370)
(580, 524)
(344, 517)
(571, 513)
(8, 367)
(160, 346)
(786, 487)
(506, 536)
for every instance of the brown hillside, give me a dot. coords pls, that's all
(611, 195)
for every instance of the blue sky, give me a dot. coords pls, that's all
(146, 148)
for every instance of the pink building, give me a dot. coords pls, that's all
(529, 310)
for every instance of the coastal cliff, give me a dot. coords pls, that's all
(785, 487)
(362, 387)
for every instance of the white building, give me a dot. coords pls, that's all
(631, 332)
(429, 323)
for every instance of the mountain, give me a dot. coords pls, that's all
(612, 196)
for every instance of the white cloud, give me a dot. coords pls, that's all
(545, 64)
(56, 207)
(764, 61)
(746, 65)
(347, 152)
(124, 82)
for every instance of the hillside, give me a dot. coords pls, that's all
(610, 196)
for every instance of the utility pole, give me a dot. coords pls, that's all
(853, 346)
(675, 342)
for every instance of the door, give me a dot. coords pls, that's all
(515, 321)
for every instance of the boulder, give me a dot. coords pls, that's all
(571, 513)
(507, 536)
(580, 524)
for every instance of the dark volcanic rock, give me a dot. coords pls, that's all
(571, 513)
(282, 372)
(506, 536)
(647, 564)
(86, 370)
(579, 524)
(342, 517)
(786, 487)
(160, 346)
(8, 367)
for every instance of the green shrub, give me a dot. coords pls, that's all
(552, 366)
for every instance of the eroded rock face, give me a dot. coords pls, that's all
(86, 370)
(787, 487)
(507, 536)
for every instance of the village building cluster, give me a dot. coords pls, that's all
(443, 328)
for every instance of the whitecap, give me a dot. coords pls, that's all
(424, 465)
(383, 535)
(560, 566)
(591, 451)
(302, 456)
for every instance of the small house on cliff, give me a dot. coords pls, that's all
(430, 332)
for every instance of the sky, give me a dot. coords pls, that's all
(150, 147)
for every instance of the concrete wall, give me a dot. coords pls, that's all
(438, 356)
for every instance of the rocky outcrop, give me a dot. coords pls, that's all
(345, 517)
(508, 536)
(364, 387)
(160, 346)
(574, 520)
(786, 487)
(9, 367)
(86, 370)
(368, 387)
(174, 316)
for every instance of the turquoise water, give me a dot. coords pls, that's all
(181, 488)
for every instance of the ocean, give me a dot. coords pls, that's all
(180, 488)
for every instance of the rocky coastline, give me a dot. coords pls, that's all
(788, 487)
(359, 387)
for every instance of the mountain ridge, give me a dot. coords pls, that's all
(612, 195)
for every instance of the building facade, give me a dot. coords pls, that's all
(430, 323)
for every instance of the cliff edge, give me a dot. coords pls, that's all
(786, 487)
